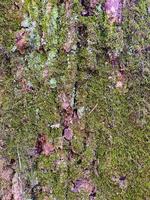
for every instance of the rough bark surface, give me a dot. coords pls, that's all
(74, 99)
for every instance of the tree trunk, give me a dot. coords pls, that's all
(74, 99)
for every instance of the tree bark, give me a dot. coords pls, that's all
(74, 105)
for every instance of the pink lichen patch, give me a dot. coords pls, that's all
(119, 84)
(7, 174)
(7, 195)
(83, 185)
(113, 10)
(67, 110)
(120, 79)
(48, 148)
(68, 117)
(21, 41)
(17, 188)
(65, 101)
(45, 73)
(68, 134)
(43, 146)
(94, 3)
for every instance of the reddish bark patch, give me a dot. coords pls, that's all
(67, 110)
(43, 146)
(68, 134)
(48, 149)
(21, 41)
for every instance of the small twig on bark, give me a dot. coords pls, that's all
(93, 109)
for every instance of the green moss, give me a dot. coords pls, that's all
(115, 124)
(9, 23)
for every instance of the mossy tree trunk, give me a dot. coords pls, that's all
(74, 100)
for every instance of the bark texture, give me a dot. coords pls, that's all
(74, 99)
